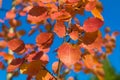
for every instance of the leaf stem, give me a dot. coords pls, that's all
(59, 68)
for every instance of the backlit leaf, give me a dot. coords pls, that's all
(92, 24)
(97, 14)
(60, 29)
(14, 64)
(69, 54)
(17, 46)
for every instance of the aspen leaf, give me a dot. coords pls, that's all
(14, 23)
(55, 67)
(14, 64)
(91, 62)
(6, 56)
(21, 33)
(92, 24)
(60, 29)
(77, 67)
(90, 6)
(38, 56)
(68, 54)
(97, 14)
(37, 14)
(1, 65)
(31, 68)
(3, 44)
(89, 37)
(10, 14)
(44, 39)
(44, 75)
(62, 16)
(17, 46)
(74, 35)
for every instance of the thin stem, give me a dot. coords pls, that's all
(59, 68)
(9, 75)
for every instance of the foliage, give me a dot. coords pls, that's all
(110, 73)
(82, 47)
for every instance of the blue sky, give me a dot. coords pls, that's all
(111, 14)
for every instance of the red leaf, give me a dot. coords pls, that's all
(44, 39)
(1, 65)
(92, 24)
(59, 29)
(14, 64)
(17, 46)
(37, 14)
(69, 54)
(38, 56)
(90, 6)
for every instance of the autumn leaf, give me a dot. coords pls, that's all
(17, 46)
(89, 37)
(7, 56)
(1, 65)
(74, 35)
(43, 57)
(77, 67)
(31, 68)
(37, 14)
(14, 64)
(44, 39)
(69, 54)
(10, 14)
(3, 44)
(55, 66)
(90, 6)
(60, 29)
(14, 23)
(96, 13)
(92, 24)
(44, 75)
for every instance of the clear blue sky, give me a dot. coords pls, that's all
(111, 14)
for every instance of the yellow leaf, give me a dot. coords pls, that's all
(44, 75)
(97, 14)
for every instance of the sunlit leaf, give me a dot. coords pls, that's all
(17, 46)
(97, 14)
(44, 75)
(69, 54)
(60, 29)
(92, 24)
(14, 64)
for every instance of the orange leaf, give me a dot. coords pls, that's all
(97, 14)
(92, 24)
(60, 29)
(44, 75)
(31, 68)
(74, 35)
(90, 6)
(3, 44)
(38, 56)
(14, 64)
(17, 46)
(55, 66)
(44, 39)
(37, 14)
(69, 54)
